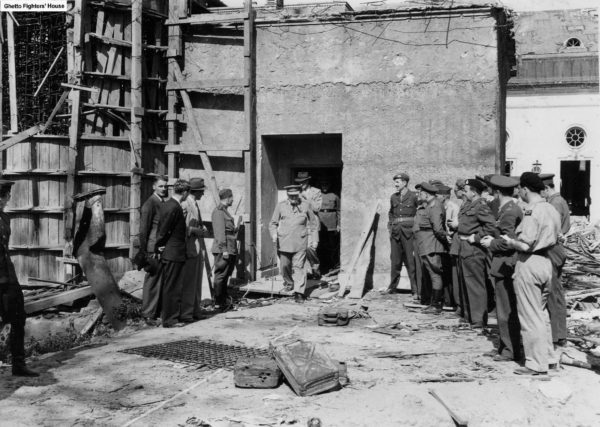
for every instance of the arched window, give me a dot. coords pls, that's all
(575, 137)
(573, 42)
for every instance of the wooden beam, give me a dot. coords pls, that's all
(78, 87)
(20, 137)
(1, 84)
(135, 192)
(66, 297)
(56, 109)
(458, 419)
(209, 18)
(175, 47)
(122, 43)
(48, 72)
(191, 85)
(12, 77)
(121, 108)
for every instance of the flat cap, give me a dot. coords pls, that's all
(302, 176)
(225, 193)
(292, 189)
(547, 178)
(197, 184)
(460, 183)
(403, 176)
(436, 182)
(501, 181)
(425, 186)
(444, 189)
(532, 181)
(476, 184)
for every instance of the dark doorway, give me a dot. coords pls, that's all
(283, 156)
(575, 185)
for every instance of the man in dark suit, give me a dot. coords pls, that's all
(171, 246)
(503, 266)
(12, 309)
(474, 222)
(148, 227)
(430, 242)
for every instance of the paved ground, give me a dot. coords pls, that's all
(99, 385)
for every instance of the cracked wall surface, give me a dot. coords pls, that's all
(418, 95)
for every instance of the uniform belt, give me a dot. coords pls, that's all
(328, 210)
(402, 219)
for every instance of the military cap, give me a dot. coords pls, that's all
(403, 176)
(425, 186)
(476, 184)
(436, 182)
(302, 176)
(532, 181)
(460, 183)
(292, 189)
(501, 181)
(444, 189)
(6, 183)
(547, 178)
(225, 193)
(197, 184)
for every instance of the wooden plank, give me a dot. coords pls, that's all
(123, 43)
(458, 419)
(175, 46)
(48, 72)
(56, 109)
(191, 85)
(78, 87)
(66, 297)
(357, 279)
(12, 77)
(209, 18)
(1, 84)
(20, 137)
(362, 240)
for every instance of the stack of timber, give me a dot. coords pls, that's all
(45, 294)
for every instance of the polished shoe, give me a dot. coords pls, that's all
(561, 343)
(431, 309)
(174, 325)
(299, 298)
(526, 371)
(19, 369)
(502, 358)
(187, 320)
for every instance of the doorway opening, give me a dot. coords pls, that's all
(575, 185)
(283, 156)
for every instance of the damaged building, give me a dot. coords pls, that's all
(246, 98)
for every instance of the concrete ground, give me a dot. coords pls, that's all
(98, 385)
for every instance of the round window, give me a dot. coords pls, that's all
(575, 137)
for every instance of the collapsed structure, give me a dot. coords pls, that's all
(248, 97)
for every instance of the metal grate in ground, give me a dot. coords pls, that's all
(201, 353)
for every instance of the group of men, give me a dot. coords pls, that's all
(171, 251)
(305, 231)
(496, 244)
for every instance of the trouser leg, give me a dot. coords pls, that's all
(433, 267)
(457, 284)
(299, 273)
(447, 280)
(171, 292)
(151, 294)
(396, 264)
(285, 264)
(474, 272)
(508, 319)
(313, 264)
(222, 271)
(408, 257)
(13, 312)
(421, 278)
(191, 287)
(557, 307)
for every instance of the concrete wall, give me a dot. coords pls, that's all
(537, 125)
(419, 95)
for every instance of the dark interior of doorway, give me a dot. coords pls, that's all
(575, 185)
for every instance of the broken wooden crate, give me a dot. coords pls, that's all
(256, 372)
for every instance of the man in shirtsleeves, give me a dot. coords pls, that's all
(403, 206)
(224, 247)
(294, 228)
(537, 232)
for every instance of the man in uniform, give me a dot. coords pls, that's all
(537, 232)
(557, 304)
(224, 247)
(12, 304)
(502, 268)
(451, 209)
(403, 206)
(170, 246)
(329, 235)
(452, 225)
(474, 222)
(148, 228)
(191, 275)
(430, 242)
(294, 228)
(312, 196)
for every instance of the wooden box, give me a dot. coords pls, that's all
(256, 372)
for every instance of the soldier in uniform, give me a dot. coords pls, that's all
(294, 228)
(148, 228)
(329, 235)
(474, 222)
(557, 304)
(224, 247)
(502, 268)
(403, 206)
(12, 304)
(537, 232)
(452, 225)
(450, 216)
(312, 196)
(430, 240)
